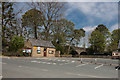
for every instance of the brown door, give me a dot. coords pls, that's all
(45, 52)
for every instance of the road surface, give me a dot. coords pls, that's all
(58, 68)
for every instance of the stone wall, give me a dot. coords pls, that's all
(35, 54)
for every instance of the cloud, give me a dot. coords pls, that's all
(89, 0)
(105, 11)
(62, 0)
(115, 26)
(89, 28)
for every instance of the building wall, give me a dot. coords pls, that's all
(35, 54)
(51, 55)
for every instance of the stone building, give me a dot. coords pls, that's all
(39, 48)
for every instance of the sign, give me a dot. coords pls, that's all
(28, 50)
(34, 47)
(50, 52)
(38, 48)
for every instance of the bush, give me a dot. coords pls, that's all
(16, 43)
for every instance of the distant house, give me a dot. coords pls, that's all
(39, 48)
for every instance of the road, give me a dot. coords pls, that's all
(57, 68)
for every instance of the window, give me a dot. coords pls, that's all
(28, 51)
(38, 51)
(51, 52)
(24, 50)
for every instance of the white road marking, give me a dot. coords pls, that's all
(99, 66)
(63, 60)
(117, 68)
(33, 61)
(1, 77)
(39, 62)
(19, 66)
(48, 63)
(54, 63)
(58, 60)
(80, 65)
(72, 61)
(38, 58)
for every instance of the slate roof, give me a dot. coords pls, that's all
(41, 43)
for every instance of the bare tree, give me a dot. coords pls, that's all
(51, 11)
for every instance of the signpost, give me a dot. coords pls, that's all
(38, 48)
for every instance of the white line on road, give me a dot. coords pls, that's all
(63, 60)
(80, 65)
(8, 57)
(39, 62)
(1, 77)
(99, 66)
(33, 61)
(19, 66)
(54, 63)
(48, 63)
(58, 60)
(72, 61)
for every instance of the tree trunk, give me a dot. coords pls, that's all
(3, 27)
(69, 45)
(68, 49)
(36, 32)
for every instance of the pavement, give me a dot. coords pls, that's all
(14, 67)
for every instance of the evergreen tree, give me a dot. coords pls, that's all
(105, 31)
(115, 38)
(97, 42)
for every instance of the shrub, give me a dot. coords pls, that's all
(16, 43)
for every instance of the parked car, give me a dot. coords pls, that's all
(115, 55)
